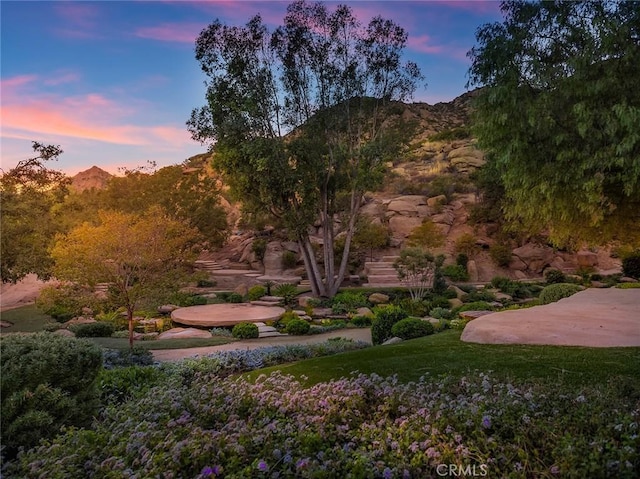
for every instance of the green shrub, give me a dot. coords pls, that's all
(93, 330)
(553, 276)
(462, 260)
(475, 306)
(628, 285)
(410, 328)
(256, 292)
(439, 302)
(123, 384)
(289, 259)
(234, 298)
(287, 291)
(259, 248)
(513, 288)
(555, 292)
(118, 358)
(441, 313)
(361, 321)
(455, 272)
(52, 326)
(384, 319)
(631, 265)
(66, 301)
(206, 283)
(478, 295)
(245, 331)
(47, 381)
(184, 300)
(500, 254)
(351, 300)
(286, 317)
(413, 308)
(297, 327)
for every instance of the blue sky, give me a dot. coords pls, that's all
(113, 82)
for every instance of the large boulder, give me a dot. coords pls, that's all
(378, 298)
(273, 259)
(401, 226)
(535, 257)
(586, 259)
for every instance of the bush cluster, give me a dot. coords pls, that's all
(455, 272)
(555, 292)
(184, 299)
(245, 331)
(553, 276)
(47, 381)
(411, 328)
(256, 292)
(98, 329)
(384, 319)
(297, 327)
(631, 265)
(362, 426)
(118, 358)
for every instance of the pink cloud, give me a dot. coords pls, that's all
(172, 32)
(78, 19)
(422, 44)
(16, 82)
(62, 78)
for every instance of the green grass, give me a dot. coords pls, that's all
(27, 319)
(123, 343)
(445, 354)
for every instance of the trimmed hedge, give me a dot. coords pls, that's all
(297, 327)
(411, 328)
(93, 330)
(245, 331)
(555, 292)
(384, 319)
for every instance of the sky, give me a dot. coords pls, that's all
(113, 82)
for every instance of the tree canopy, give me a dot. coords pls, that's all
(299, 118)
(27, 228)
(559, 116)
(136, 254)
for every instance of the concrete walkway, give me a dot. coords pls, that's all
(594, 318)
(360, 334)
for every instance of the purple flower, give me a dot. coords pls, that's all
(387, 474)
(486, 422)
(302, 463)
(555, 470)
(207, 471)
(262, 466)
(211, 471)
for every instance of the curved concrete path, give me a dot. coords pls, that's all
(593, 317)
(360, 334)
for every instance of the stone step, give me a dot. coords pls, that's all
(379, 271)
(384, 285)
(383, 278)
(265, 331)
(390, 259)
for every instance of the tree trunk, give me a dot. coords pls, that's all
(130, 321)
(336, 282)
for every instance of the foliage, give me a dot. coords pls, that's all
(98, 329)
(123, 384)
(631, 265)
(559, 75)
(451, 134)
(500, 253)
(286, 317)
(224, 332)
(141, 256)
(369, 236)
(427, 235)
(512, 288)
(28, 194)
(411, 328)
(552, 276)
(48, 381)
(259, 248)
(361, 321)
(352, 300)
(297, 327)
(384, 319)
(441, 313)
(413, 308)
(65, 301)
(360, 426)
(555, 292)
(331, 82)
(287, 291)
(474, 306)
(117, 358)
(417, 268)
(289, 259)
(462, 259)
(183, 299)
(245, 331)
(628, 285)
(234, 298)
(479, 295)
(455, 272)
(188, 193)
(466, 244)
(256, 292)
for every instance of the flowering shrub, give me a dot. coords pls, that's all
(363, 426)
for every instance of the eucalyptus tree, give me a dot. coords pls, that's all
(28, 193)
(560, 116)
(301, 118)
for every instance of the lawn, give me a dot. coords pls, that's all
(26, 319)
(444, 354)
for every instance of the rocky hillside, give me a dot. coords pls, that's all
(431, 183)
(94, 177)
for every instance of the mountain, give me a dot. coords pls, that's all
(94, 177)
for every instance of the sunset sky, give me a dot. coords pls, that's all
(113, 82)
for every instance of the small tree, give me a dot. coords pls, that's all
(138, 255)
(369, 236)
(427, 235)
(417, 268)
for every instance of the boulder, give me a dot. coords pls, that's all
(273, 259)
(401, 226)
(586, 259)
(446, 217)
(402, 207)
(415, 200)
(455, 302)
(393, 340)
(473, 314)
(64, 332)
(242, 289)
(304, 301)
(378, 298)
(536, 257)
(364, 312)
(167, 308)
(184, 333)
(472, 269)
